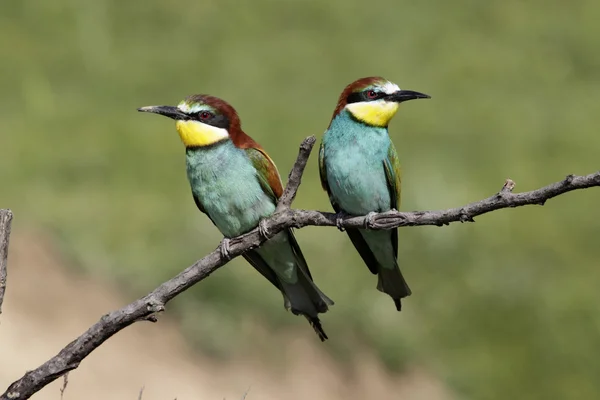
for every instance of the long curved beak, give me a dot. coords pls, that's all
(168, 111)
(405, 95)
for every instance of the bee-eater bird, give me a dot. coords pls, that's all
(237, 185)
(360, 171)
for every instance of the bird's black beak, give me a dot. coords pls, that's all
(167, 111)
(405, 95)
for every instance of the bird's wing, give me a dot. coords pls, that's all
(322, 169)
(267, 173)
(393, 176)
(261, 266)
(268, 176)
(323, 175)
(270, 181)
(298, 253)
(354, 234)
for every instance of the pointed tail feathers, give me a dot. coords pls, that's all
(316, 325)
(391, 282)
(306, 299)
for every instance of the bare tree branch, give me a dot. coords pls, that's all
(5, 225)
(145, 308)
(295, 176)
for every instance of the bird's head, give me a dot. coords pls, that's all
(201, 120)
(374, 100)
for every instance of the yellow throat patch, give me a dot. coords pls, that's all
(197, 134)
(374, 113)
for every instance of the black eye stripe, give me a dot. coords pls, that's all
(362, 96)
(219, 121)
(355, 97)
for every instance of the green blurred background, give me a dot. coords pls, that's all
(506, 307)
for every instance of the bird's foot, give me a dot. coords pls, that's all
(339, 219)
(369, 220)
(225, 249)
(263, 230)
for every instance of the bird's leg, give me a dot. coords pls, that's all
(224, 248)
(339, 217)
(262, 229)
(369, 220)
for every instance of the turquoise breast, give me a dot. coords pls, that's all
(225, 182)
(354, 156)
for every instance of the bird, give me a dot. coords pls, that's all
(237, 185)
(360, 171)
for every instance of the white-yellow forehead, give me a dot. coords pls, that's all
(389, 88)
(194, 108)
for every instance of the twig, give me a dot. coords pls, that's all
(70, 356)
(64, 386)
(5, 225)
(295, 176)
(141, 393)
(245, 394)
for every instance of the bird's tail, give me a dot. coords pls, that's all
(305, 298)
(315, 322)
(391, 281)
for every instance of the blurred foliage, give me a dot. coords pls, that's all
(506, 307)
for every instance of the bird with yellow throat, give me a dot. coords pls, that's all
(360, 171)
(237, 185)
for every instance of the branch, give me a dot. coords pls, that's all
(393, 219)
(5, 224)
(285, 217)
(295, 176)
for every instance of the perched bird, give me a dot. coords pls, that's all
(360, 171)
(237, 185)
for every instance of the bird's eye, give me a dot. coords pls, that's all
(371, 94)
(204, 115)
